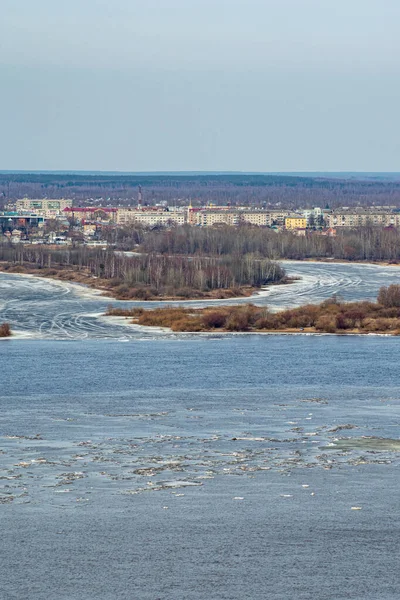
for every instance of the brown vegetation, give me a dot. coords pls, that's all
(331, 316)
(5, 330)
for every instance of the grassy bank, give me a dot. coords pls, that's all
(331, 316)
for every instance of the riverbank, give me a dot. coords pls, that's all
(331, 316)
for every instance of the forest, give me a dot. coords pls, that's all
(146, 276)
(361, 244)
(288, 191)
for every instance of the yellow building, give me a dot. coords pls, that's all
(295, 222)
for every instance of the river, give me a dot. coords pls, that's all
(45, 308)
(196, 467)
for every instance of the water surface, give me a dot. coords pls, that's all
(225, 468)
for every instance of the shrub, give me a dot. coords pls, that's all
(353, 318)
(140, 293)
(17, 269)
(122, 289)
(124, 312)
(162, 317)
(5, 330)
(238, 321)
(389, 296)
(184, 293)
(269, 322)
(381, 324)
(214, 319)
(114, 282)
(326, 323)
(188, 324)
(342, 322)
(332, 301)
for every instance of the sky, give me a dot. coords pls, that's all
(200, 85)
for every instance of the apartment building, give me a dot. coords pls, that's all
(261, 218)
(362, 218)
(295, 222)
(313, 215)
(277, 217)
(101, 215)
(207, 217)
(150, 217)
(214, 216)
(50, 209)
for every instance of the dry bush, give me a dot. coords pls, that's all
(334, 300)
(238, 320)
(122, 289)
(331, 309)
(328, 317)
(380, 324)
(395, 325)
(269, 322)
(214, 319)
(389, 313)
(343, 323)
(352, 319)
(189, 324)
(5, 330)
(50, 272)
(114, 282)
(326, 323)
(123, 312)
(285, 316)
(136, 312)
(255, 313)
(162, 317)
(305, 316)
(140, 293)
(184, 293)
(389, 296)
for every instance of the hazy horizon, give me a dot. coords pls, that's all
(336, 174)
(252, 86)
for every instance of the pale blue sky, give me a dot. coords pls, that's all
(252, 85)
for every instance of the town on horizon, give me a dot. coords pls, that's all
(25, 220)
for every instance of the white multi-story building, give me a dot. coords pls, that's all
(312, 215)
(362, 218)
(207, 217)
(150, 218)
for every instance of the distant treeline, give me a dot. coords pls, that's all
(150, 274)
(238, 189)
(367, 243)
